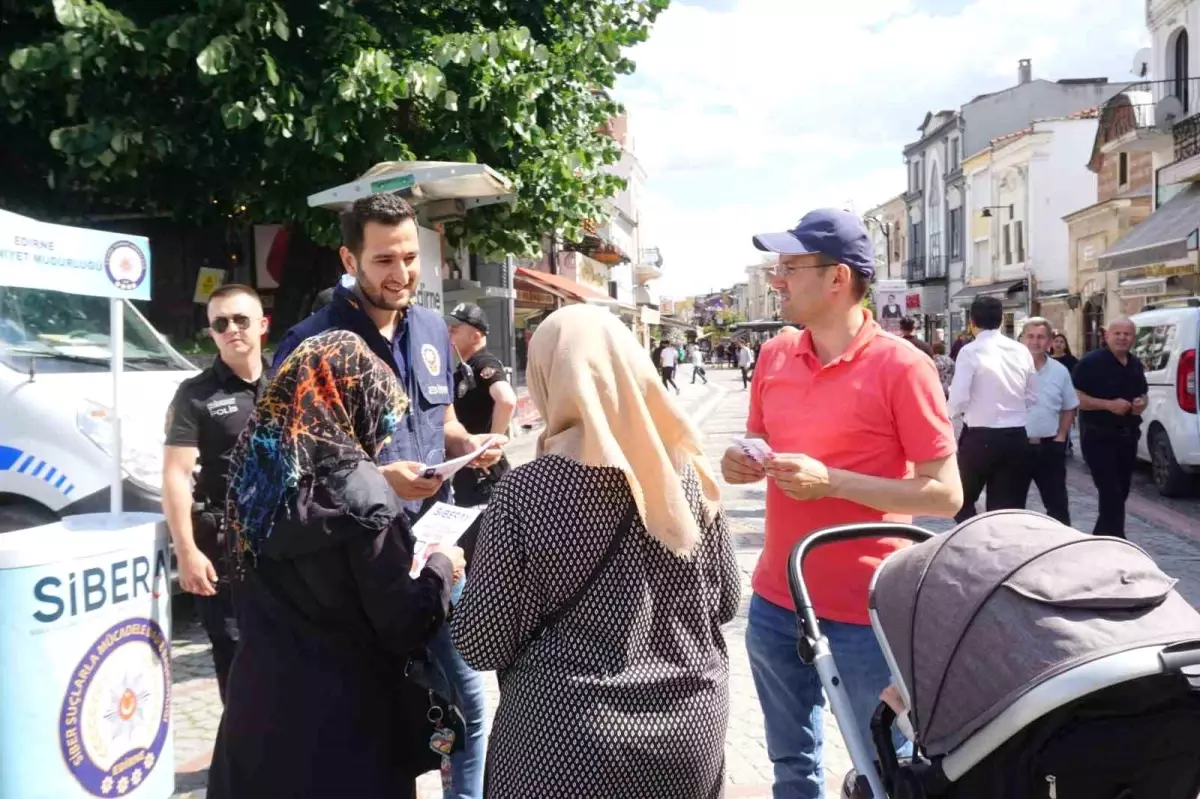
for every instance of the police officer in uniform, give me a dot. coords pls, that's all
(204, 421)
(484, 401)
(381, 251)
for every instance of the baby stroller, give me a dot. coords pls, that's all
(1034, 660)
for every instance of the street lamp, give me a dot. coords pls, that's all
(986, 213)
(885, 229)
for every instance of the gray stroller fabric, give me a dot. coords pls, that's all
(981, 615)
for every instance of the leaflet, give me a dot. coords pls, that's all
(754, 448)
(440, 527)
(448, 469)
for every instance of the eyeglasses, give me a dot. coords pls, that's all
(783, 271)
(221, 323)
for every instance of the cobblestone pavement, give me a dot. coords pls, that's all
(1170, 532)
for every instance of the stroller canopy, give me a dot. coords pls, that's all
(981, 615)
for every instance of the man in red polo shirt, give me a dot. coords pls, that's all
(857, 420)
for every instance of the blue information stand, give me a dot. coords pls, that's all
(85, 615)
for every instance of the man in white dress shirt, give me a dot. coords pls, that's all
(993, 388)
(1050, 420)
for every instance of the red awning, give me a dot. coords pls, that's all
(562, 286)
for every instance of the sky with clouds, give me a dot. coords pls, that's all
(747, 113)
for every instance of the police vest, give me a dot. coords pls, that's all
(419, 355)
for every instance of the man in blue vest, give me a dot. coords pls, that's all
(381, 251)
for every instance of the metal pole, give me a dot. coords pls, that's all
(116, 338)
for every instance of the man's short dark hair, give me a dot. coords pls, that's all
(386, 209)
(907, 324)
(860, 284)
(987, 313)
(232, 290)
(891, 296)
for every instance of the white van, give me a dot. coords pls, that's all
(1168, 337)
(55, 391)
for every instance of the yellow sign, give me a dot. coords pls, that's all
(208, 281)
(1163, 270)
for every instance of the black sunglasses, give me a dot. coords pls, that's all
(221, 323)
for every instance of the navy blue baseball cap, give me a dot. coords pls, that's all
(840, 235)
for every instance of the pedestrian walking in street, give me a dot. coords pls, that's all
(1060, 350)
(745, 362)
(319, 705)
(668, 358)
(993, 388)
(944, 364)
(604, 572)
(1111, 383)
(1049, 422)
(696, 356)
(961, 340)
(204, 421)
(857, 423)
(908, 329)
(381, 251)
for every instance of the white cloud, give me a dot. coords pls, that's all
(746, 118)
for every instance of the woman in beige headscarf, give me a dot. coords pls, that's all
(603, 574)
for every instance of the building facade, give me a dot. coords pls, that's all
(1123, 157)
(928, 161)
(888, 223)
(761, 300)
(1156, 261)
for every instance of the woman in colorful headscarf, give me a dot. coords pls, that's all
(318, 704)
(603, 574)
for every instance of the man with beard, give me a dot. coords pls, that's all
(381, 251)
(857, 424)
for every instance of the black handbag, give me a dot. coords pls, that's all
(434, 727)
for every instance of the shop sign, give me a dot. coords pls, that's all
(592, 272)
(536, 299)
(1170, 270)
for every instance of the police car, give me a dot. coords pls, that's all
(1167, 340)
(55, 389)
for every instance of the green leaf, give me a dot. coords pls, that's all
(451, 101)
(107, 158)
(272, 69)
(70, 13)
(119, 143)
(214, 59)
(281, 24)
(17, 59)
(259, 113)
(346, 90)
(57, 138)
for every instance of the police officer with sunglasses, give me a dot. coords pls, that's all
(204, 422)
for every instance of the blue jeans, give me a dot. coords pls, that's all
(792, 699)
(466, 766)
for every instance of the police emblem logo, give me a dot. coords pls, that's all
(125, 265)
(461, 391)
(433, 361)
(487, 371)
(117, 709)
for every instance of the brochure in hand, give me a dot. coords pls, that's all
(441, 526)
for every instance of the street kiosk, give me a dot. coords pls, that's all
(85, 616)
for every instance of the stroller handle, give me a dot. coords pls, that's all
(833, 535)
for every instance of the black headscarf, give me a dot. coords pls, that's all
(330, 407)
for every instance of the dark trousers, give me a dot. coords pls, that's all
(1110, 456)
(217, 617)
(746, 370)
(216, 613)
(1047, 469)
(668, 377)
(698, 371)
(993, 458)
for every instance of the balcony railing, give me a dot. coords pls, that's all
(914, 269)
(923, 268)
(1140, 107)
